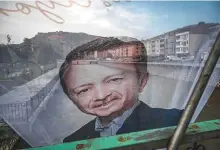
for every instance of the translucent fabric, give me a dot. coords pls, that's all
(42, 114)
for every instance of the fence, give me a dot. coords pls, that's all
(24, 110)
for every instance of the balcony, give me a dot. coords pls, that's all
(162, 45)
(181, 38)
(162, 41)
(179, 46)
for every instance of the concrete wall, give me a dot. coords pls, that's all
(195, 42)
(59, 117)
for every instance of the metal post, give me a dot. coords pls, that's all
(196, 95)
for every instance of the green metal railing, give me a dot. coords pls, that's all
(148, 139)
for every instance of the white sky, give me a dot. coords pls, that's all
(96, 20)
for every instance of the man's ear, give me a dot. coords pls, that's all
(143, 81)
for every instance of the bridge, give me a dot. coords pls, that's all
(40, 107)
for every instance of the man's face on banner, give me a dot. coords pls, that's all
(103, 90)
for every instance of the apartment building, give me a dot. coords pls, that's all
(185, 41)
(182, 44)
(125, 51)
(155, 47)
(189, 43)
(170, 46)
(128, 50)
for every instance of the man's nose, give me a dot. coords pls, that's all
(101, 92)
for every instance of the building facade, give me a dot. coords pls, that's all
(182, 44)
(185, 41)
(155, 47)
(128, 50)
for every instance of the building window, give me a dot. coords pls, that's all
(178, 43)
(185, 49)
(184, 43)
(178, 37)
(137, 51)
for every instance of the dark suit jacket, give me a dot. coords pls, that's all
(142, 118)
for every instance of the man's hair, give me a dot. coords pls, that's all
(104, 44)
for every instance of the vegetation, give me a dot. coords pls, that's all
(8, 137)
(4, 54)
(28, 49)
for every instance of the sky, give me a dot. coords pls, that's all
(139, 19)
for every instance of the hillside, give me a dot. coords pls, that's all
(49, 46)
(62, 42)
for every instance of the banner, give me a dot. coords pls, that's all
(74, 70)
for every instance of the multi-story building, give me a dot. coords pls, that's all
(182, 44)
(128, 50)
(155, 47)
(183, 41)
(170, 40)
(189, 43)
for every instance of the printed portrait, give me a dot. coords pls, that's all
(79, 71)
(104, 78)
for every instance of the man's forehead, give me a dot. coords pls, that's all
(99, 69)
(85, 74)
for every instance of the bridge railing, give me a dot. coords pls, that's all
(20, 103)
(14, 112)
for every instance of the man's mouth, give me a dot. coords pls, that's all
(112, 98)
(106, 102)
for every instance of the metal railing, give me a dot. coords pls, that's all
(148, 139)
(24, 110)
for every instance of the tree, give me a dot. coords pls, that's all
(8, 39)
(8, 137)
(28, 49)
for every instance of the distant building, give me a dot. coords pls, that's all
(128, 50)
(170, 43)
(205, 49)
(191, 38)
(182, 44)
(156, 47)
(183, 41)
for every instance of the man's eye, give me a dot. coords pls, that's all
(116, 80)
(82, 91)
